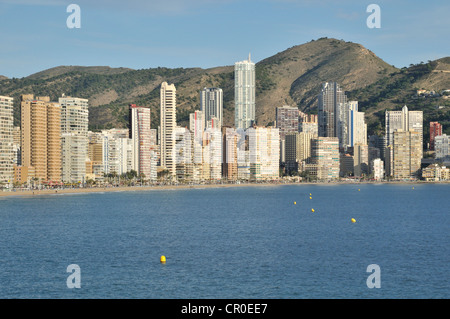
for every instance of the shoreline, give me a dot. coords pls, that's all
(197, 186)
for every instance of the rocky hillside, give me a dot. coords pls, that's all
(292, 77)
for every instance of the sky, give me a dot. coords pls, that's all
(141, 34)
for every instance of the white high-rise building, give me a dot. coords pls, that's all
(244, 94)
(143, 144)
(6, 140)
(442, 147)
(212, 154)
(378, 169)
(264, 152)
(325, 154)
(74, 138)
(117, 151)
(405, 120)
(355, 127)
(197, 127)
(211, 104)
(182, 153)
(168, 124)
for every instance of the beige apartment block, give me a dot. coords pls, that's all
(41, 137)
(407, 154)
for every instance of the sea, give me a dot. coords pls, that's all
(310, 241)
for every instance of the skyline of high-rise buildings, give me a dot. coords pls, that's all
(55, 144)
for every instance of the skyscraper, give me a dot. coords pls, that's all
(6, 140)
(211, 104)
(435, 130)
(168, 124)
(355, 126)
(244, 94)
(331, 100)
(74, 138)
(404, 121)
(140, 134)
(41, 137)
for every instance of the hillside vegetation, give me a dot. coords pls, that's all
(291, 77)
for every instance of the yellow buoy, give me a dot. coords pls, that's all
(310, 197)
(353, 220)
(163, 259)
(310, 194)
(312, 209)
(295, 203)
(359, 190)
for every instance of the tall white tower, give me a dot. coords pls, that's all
(168, 124)
(244, 93)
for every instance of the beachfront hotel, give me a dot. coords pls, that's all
(144, 151)
(168, 125)
(74, 138)
(325, 157)
(264, 153)
(244, 94)
(402, 121)
(406, 154)
(6, 140)
(40, 139)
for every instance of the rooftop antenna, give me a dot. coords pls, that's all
(249, 56)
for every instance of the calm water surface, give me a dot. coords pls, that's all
(243, 242)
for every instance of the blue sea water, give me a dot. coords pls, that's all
(242, 242)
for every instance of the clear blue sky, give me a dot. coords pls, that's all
(207, 33)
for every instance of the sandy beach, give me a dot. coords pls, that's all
(35, 192)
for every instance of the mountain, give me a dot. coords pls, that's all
(50, 73)
(292, 77)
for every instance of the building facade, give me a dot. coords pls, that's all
(325, 155)
(41, 138)
(167, 127)
(6, 141)
(264, 153)
(211, 104)
(330, 102)
(74, 138)
(435, 130)
(244, 94)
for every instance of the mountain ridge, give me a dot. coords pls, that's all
(291, 77)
